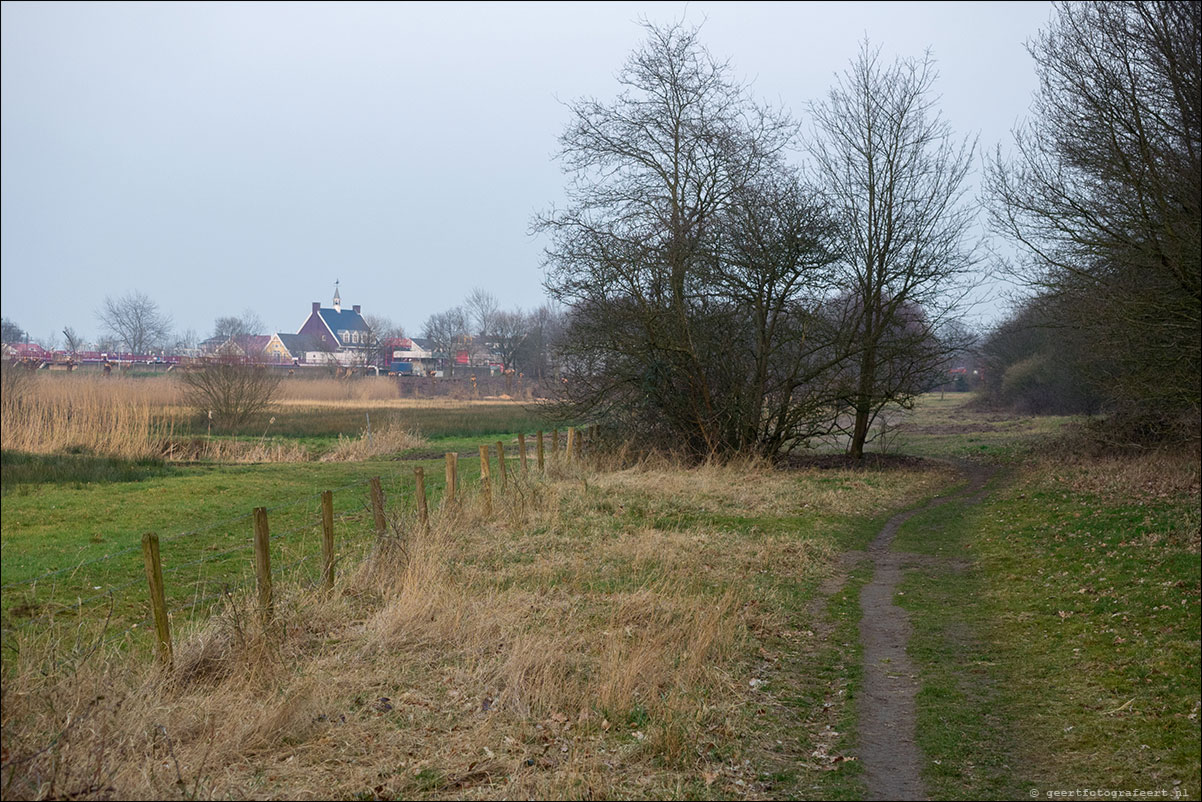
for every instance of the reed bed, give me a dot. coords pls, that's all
(83, 415)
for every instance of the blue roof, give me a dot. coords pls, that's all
(346, 320)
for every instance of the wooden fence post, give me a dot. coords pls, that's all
(327, 538)
(263, 565)
(452, 478)
(541, 464)
(423, 512)
(501, 462)
(485, 480)
(377, 506)
(571, 444)
(158, 602)
(522, 449)
(554, 446)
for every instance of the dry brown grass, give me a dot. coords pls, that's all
(135, 418)
(1154, 474)
(388, 439)
(559, 649)
(89, 415)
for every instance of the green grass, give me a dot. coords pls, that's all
(74, 469)
(202, 514)
(1065, 647)
(948, 427)
(349, 420)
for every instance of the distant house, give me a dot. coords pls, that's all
(284, 347)
(243, 346)
(413, 351)
(334, 329)
(26, 351)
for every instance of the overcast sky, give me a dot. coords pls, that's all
(226, 156)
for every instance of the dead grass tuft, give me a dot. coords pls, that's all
(388, 439)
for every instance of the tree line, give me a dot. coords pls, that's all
(1102, 197)
(723, 296)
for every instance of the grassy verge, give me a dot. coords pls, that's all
(647, 633)
(1058, 632)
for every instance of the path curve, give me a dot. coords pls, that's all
(888, 749)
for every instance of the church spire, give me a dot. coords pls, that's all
(337, 298)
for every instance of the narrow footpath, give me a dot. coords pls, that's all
(890, 755)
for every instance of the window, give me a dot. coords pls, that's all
(346, 336)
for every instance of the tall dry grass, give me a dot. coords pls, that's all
(546, 651)
(137, 418)
(80, 414)
(387, 439)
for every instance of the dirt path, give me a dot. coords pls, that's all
(891, 757)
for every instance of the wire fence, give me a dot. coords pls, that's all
(60, 601)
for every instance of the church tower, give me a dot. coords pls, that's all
(337, 299)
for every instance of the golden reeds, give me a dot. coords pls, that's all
(87, 415)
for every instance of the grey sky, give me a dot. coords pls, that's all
(227, 156)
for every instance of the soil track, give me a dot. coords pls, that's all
(891, 757)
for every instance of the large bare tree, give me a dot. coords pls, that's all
(1102, 195)
(635, 257)
(894, 177)
(135, 322)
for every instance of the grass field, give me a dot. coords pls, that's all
(1061, 644)
(616, 630)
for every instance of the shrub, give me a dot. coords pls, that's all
(229, 390)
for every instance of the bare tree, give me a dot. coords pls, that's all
(536, 354)
(135, 322)
(894, 177)
(185, 340)
(234, 326)
(232, 389)
(482, 309)
(510, 330)
(378, 339)
(1103, 197)
(632, 257)
(447, 331)
(73, 340)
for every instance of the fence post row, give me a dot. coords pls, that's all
(158, 602)
(327, 538)
(485, 480)
(423, 512)
(262, 538)
(263, 565)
